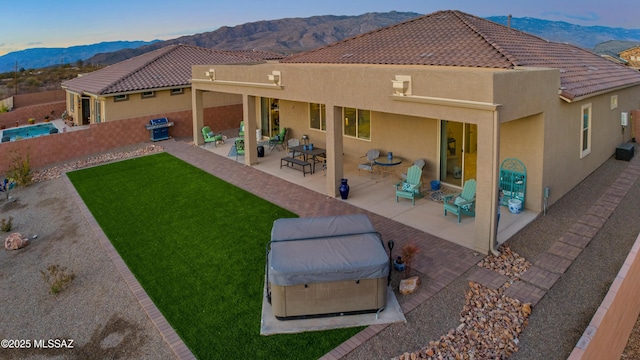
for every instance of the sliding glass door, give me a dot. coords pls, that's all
(458, 152)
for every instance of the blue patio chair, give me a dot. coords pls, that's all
(463, 203)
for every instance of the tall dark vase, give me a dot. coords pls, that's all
(344, 189)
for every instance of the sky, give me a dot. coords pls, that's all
(46, 23)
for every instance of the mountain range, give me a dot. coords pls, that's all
(293, 35)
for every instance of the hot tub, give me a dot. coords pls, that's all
(328, 266)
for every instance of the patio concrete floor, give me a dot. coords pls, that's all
(376, 193)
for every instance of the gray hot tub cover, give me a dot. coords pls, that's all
(325, 249)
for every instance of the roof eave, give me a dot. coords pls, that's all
(570, 97)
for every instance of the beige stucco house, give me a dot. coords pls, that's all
(157, 82)
(457, 90)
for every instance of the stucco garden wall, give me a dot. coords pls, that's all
(609, 329)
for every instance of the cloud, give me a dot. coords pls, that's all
(587, 17)
(35, 43)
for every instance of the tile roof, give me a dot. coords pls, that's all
(454, 38)
(167, 67)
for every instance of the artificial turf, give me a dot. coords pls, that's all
(197, 246)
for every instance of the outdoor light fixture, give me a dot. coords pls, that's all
(274, 77)
(211, 74)
(402, 85)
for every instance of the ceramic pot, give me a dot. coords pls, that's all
(344, 189)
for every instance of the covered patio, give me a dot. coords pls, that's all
(376, 193)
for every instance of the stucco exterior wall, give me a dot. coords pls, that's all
(518, 113)
(162, 102)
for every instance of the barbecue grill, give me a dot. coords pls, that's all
(159, 128)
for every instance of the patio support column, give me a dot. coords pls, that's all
(198, 116)
(334, 149)
(249, 116)
(488, 154)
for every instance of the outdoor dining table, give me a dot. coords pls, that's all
(388, 164)
(308, 153)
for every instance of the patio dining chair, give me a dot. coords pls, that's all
(367, 161)
(419, 163)
(292, 143)
(210, 137)
(463, 203)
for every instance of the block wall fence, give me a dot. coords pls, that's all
(92, 139)
(610, 328)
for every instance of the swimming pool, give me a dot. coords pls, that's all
(26, 132)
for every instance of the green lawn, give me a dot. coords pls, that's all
(197, 245)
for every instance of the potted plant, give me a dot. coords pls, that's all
(46, 118)
(31, 121)
(399, 264)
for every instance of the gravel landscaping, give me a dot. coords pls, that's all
(97, 310)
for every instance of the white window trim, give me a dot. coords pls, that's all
(586, 151)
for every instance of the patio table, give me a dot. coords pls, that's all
(313, 153)
(387, 165)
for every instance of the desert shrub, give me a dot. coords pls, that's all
(20, 170)
(6, 225)
(57, 277)
(408, 253)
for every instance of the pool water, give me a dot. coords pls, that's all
(26, 132)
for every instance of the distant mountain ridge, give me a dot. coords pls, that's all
(283, 36)
(36, 58)
(559, 31)
(294, 35)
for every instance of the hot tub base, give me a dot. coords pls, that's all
(328, 299)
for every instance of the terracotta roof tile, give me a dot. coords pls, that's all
(454, 38)
(169, 66)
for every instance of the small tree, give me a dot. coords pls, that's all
(20, 170)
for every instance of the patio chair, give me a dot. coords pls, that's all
(419, 163)
(463, 203)
(291, 143)
(278, 140)
(241, 129)
(367, 162)
(210, 137)
(239, 147)
(410, 188)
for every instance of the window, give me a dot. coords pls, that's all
(357, 123)
(318, 117)
(72, 102)
(98, 112)
(120, 98)
(177, 91)
(148, 94)
(585, 134)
